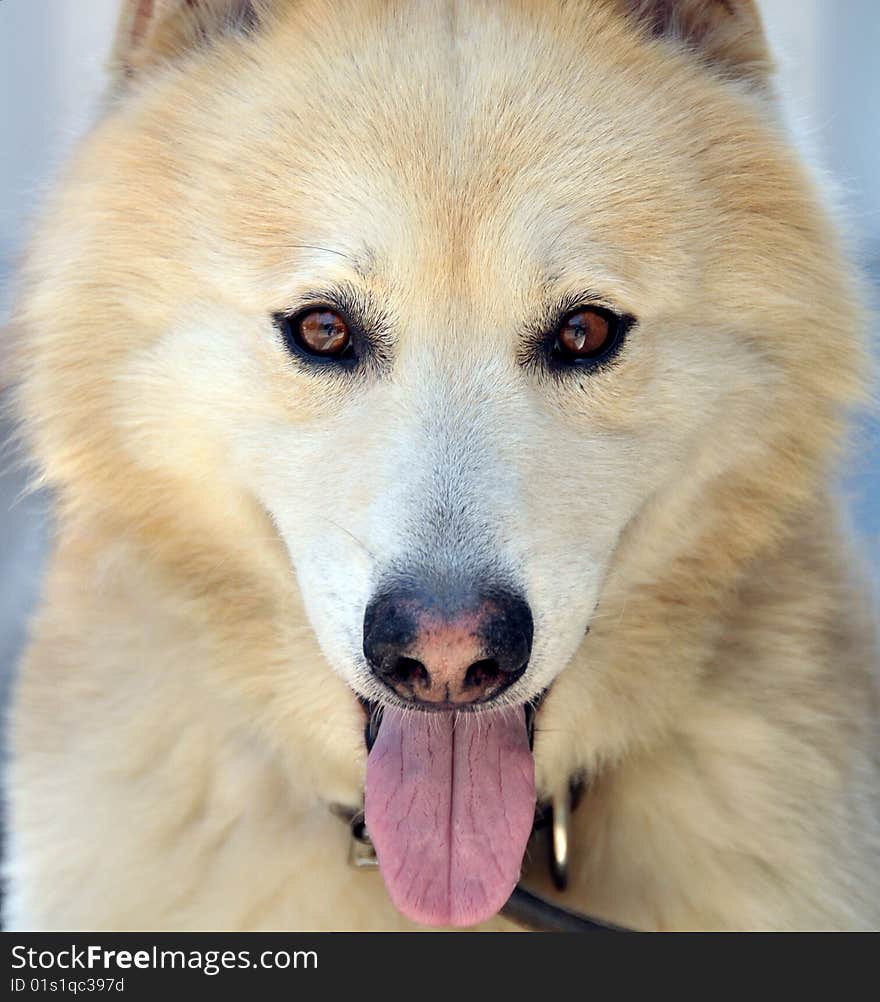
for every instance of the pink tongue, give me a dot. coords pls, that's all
(450, 802)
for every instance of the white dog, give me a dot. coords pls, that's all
(471, 372)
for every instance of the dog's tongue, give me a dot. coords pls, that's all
(450, 802)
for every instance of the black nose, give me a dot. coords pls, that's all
(441, 653)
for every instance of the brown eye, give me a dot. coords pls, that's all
(586, 334)
(321, 332)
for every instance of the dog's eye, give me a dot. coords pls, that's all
(323, 332)
(587, 334)
(319, 332)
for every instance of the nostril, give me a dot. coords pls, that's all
(408, 672)
(482, 674)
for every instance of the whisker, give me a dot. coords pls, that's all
(317, 247)
(360, 542)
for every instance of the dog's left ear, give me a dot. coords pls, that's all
(725, 34)
(151, 32)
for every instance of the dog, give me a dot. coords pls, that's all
(441, 403)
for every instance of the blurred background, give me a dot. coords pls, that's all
(51, 76)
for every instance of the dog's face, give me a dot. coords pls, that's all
(477, 303)
(506, 274)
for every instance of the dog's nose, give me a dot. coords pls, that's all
(430, 653)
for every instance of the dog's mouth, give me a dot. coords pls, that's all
(449, 807)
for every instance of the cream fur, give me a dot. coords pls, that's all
(185, 714)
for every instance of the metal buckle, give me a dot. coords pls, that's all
(562, 803)
(560, 817)
(361, 853)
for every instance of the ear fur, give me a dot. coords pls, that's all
(155, 31)
(726, 34)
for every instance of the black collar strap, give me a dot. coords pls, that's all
(540, 915)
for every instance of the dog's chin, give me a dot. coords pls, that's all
(450, 805)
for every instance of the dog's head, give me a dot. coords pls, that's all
(501, 316)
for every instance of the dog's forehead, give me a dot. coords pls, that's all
(473, 154)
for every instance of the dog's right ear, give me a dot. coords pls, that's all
(151, 32)
(725, 34)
